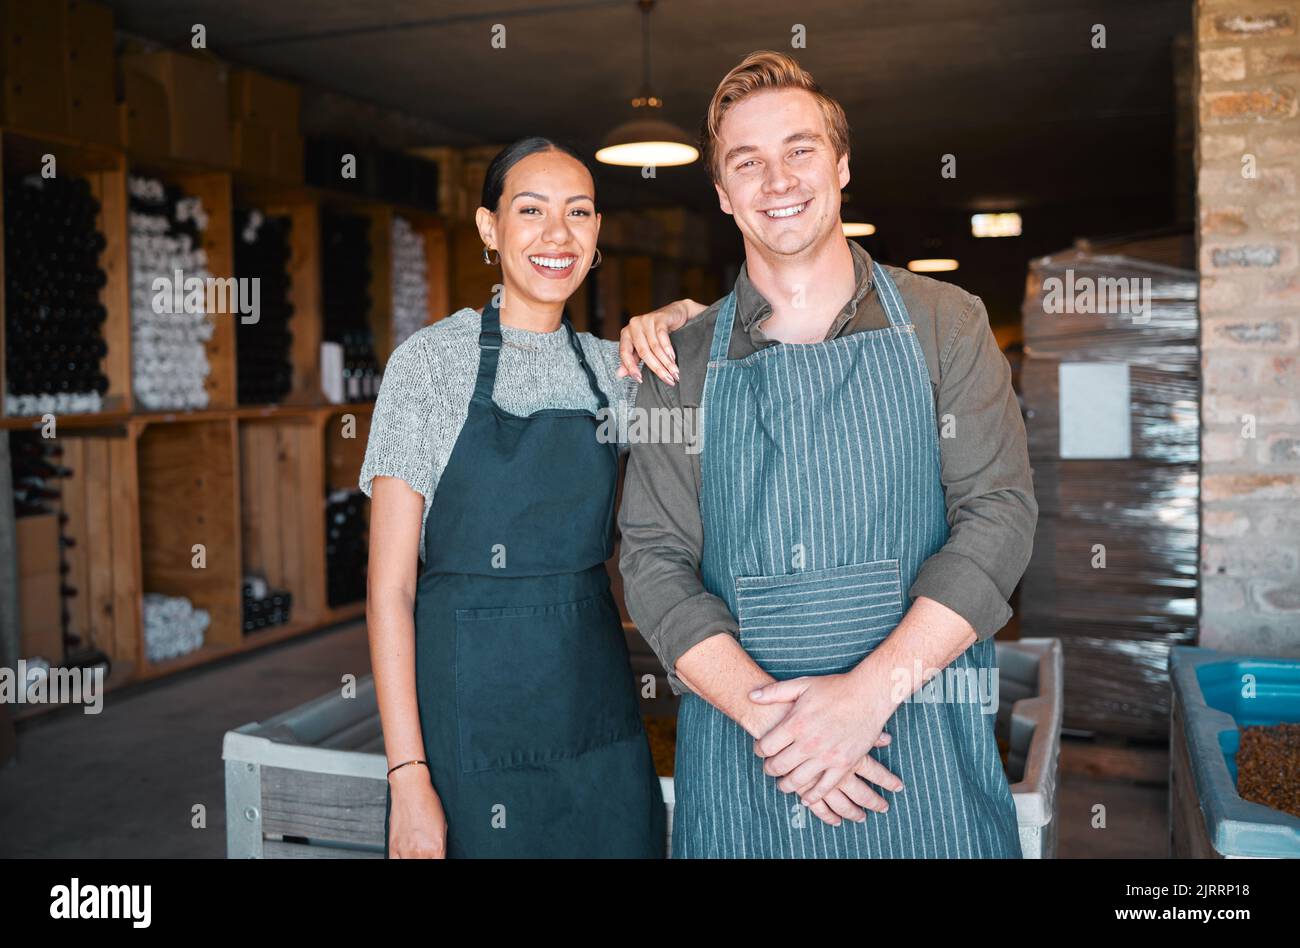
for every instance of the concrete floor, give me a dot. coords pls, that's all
(124, 783)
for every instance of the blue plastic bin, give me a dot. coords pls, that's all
(1207, 816)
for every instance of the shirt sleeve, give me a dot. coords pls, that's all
(662, 540)
(987, 482)
(620, 392)
(399, 444)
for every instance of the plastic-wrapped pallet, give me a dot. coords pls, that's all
(1111, 386)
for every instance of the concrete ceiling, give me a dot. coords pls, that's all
(1014, 88)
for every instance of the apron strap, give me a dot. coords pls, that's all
(601, 400)
(890, 298)
(489, 352)
(489, 349)
(722, 329)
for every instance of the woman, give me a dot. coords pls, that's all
(510, 719)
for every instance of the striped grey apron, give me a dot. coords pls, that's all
(821, 499)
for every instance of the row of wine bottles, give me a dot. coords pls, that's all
(410, 280)
(346, 550)
(55, 343)
(345, 301)
(263, 605)
(170, 365)
(263, 364)
(53, 317)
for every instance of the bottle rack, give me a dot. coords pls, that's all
(246, 484)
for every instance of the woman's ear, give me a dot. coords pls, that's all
(486, 222)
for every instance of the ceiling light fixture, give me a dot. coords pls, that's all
(932, 265)
(995, 225)
(646, 140)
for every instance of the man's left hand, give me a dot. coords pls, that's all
(834, 721)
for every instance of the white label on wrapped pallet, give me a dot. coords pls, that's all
(1095, 410)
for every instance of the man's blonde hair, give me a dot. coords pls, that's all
(760, 72)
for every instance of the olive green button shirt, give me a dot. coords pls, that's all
(984, 466)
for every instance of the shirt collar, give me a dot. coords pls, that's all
(754, 308)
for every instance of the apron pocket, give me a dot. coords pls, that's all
(818, 622)
(541, 683)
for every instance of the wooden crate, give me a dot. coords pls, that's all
(104, 168)
(189, 495)
(437, 251)
(214, 189)
(302, 207)
(40, 629)
(280, 475)
(343, 434)
(101, 500)
(100, 503)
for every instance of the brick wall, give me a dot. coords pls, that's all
(1248, 160)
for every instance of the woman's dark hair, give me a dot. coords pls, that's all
(494, 181)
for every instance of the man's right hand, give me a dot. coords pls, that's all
(417, 825)
(854, 795)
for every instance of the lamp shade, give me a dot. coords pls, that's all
(647, 142)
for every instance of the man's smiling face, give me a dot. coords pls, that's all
(778, 173)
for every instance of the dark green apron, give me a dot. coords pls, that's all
(528, 705)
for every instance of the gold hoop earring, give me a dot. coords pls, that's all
(488, 260)
(596, 262)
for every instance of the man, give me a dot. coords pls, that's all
(858, 437)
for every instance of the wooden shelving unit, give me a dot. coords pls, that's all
(247, 482)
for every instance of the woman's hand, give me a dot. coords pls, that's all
(645, 338)
(417, 827)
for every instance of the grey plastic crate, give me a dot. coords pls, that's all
(309, 783)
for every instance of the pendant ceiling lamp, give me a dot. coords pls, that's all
(646, 139)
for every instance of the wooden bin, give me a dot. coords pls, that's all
(189, 496)
(100, 500)
(380, 217)
(302, 207)
(343, 433)
(280, 475)
(104, 168)
(213, 188)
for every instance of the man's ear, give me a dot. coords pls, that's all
(486, 222)
(724, 202)
(843, 169)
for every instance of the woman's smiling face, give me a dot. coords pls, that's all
(545, 226)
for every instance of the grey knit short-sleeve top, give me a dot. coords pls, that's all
(424, 396)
